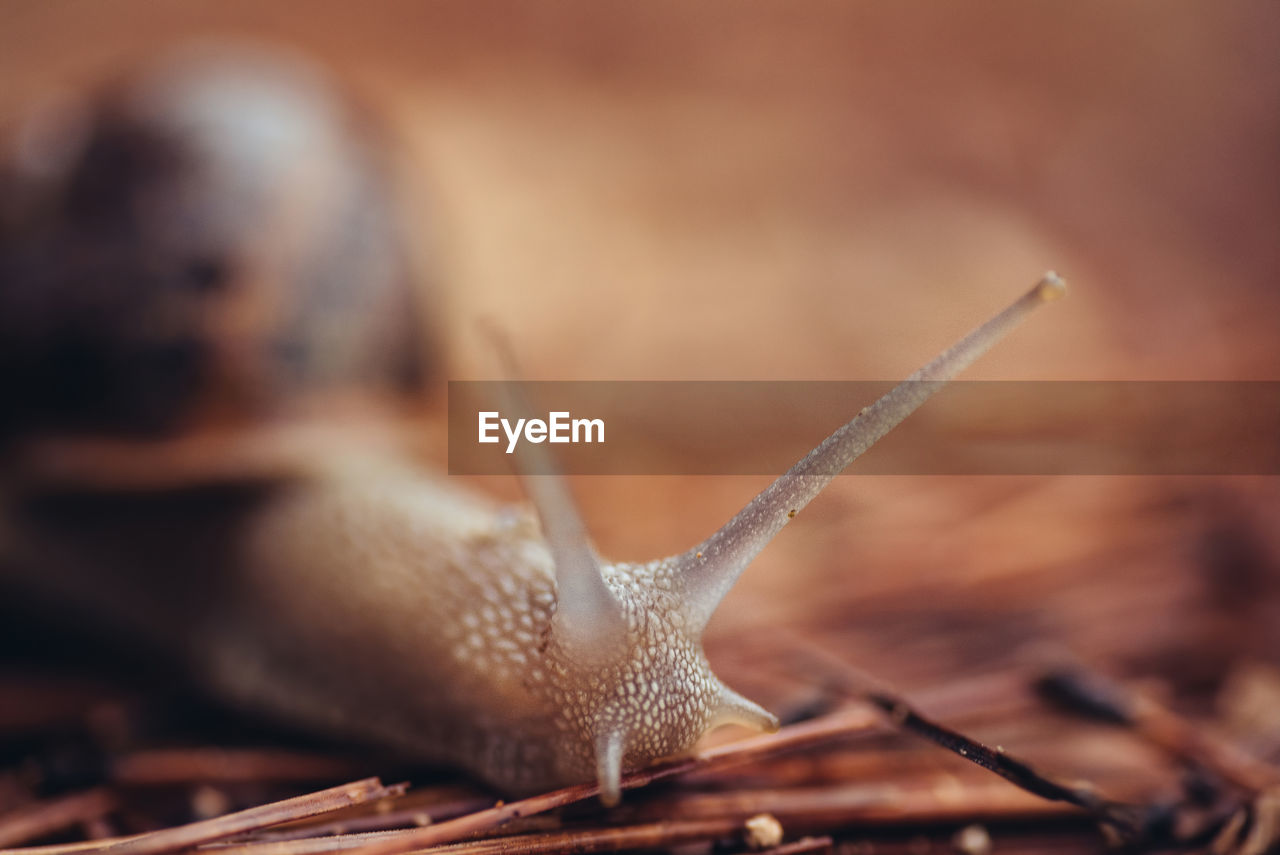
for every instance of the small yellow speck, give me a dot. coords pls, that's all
(791, 514)
(763, 831)
(1051, 287)
(698, 555)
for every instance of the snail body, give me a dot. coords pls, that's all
(370, 598)
(361, 595)
(374, 599)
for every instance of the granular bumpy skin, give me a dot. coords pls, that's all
(657, 694)
(470, 632)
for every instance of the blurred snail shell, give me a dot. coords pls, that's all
(206, 239)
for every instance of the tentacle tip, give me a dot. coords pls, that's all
(610, 794)
(1051, 287)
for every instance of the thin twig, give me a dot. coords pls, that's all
(1123, 817)
(39, 819)
(206, 831)
(654, 835)
(1130, 821)
(936, 799)
(391, 820)
(797, 847)
(646, 836)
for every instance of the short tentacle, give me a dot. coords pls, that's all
(733, 708)
(610, 746)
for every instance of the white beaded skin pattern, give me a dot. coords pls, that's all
(380, 601)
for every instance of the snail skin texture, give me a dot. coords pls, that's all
(374, 600)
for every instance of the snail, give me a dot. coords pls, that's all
(557, 665)
(361, 595)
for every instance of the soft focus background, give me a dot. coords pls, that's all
(809, 190)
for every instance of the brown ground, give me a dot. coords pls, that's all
(775, 190)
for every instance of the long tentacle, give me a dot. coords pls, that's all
(709, 570)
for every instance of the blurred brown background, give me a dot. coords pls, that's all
(772, 190)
